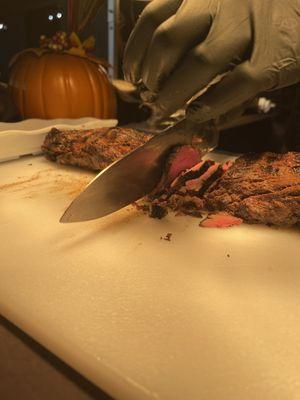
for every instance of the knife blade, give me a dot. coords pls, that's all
(135, 175)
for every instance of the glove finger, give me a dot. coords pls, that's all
(174, 38)
(276, 41)
(204, 63)
(237, 87)
(153, 15)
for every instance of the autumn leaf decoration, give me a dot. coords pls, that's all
(61, 43)
(79, 48)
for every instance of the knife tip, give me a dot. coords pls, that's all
(66, 217)
(63, 219)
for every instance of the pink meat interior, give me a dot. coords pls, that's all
(184, 158)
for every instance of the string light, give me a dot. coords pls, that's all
(3, 27)
(58, 15)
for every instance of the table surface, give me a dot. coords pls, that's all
(29, 372)
(212, 314)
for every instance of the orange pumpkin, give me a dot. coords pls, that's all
(59, 85)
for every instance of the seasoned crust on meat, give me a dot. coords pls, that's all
(93, 148)
(260, 188)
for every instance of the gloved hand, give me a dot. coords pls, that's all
(179, 46)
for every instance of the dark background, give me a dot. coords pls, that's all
(27, 20)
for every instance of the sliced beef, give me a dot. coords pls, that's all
(221, 220)
(183, 181)
(181, 159)
(94, 148)
(260, 188)
(191, 174)
(199, 185)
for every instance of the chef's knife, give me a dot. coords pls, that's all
(137, 174)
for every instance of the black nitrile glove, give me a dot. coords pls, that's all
(179, 46)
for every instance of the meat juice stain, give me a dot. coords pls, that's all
(19, 183)
(61, 183)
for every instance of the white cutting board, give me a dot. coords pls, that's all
(211, 315)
